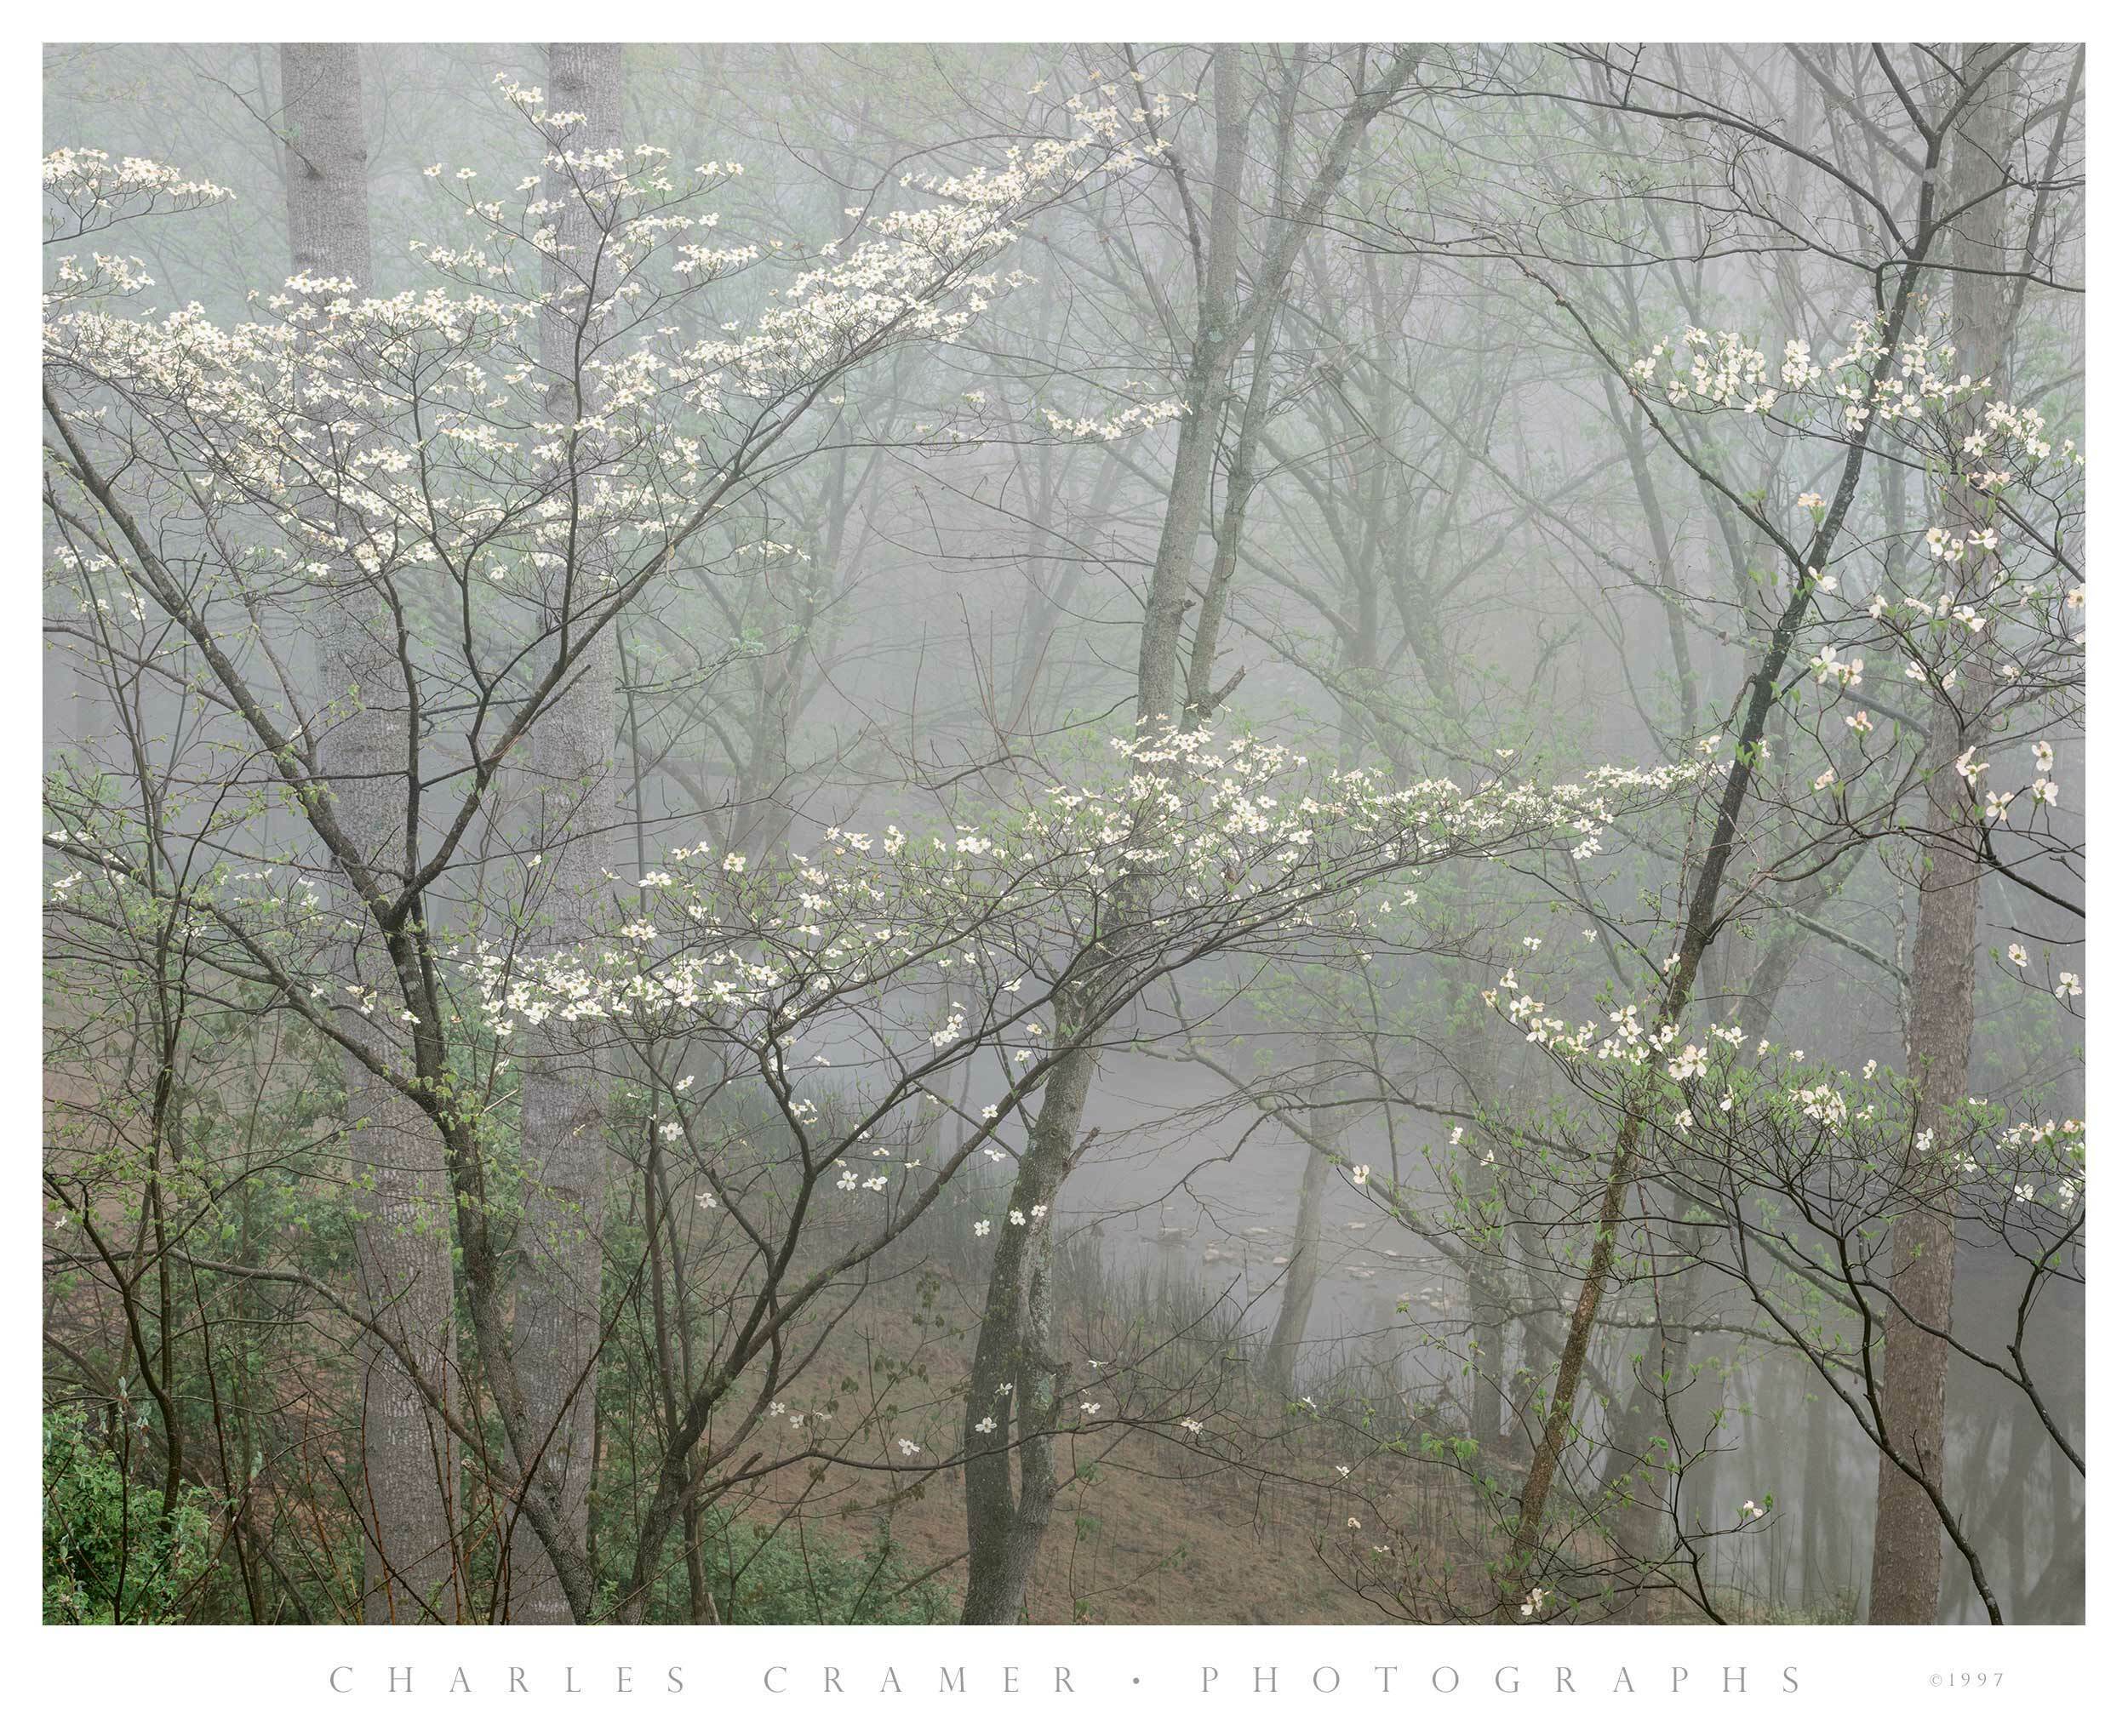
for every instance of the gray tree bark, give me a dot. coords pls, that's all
(576, 820)
(1015, 1346)
(1304, 1268)
(408, 1492)
(1907, 1547)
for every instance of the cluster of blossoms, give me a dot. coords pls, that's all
(1628, 1040)
(2055, 1148)
(1763, 1096)
(1242, 834)
(2002, 609)
(2021, 636)
(401, 423)
(1223, 839)
(2000, 805)
(1828, 665)
(86, 191)
(798, 1418)
(1719, 370)
(1724, 371)
(1131, 419)
(911, 273)
(1224, 843)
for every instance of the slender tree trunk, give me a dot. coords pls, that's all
(577, 823)
(1487, 1274)
(1213, 345)
(1303, 1270)
(408, 1485)
(1697, 931)
(1633, 1466)
(1906, 1549)
(1304, 1266)
(1820, 1479)
(1005, 1535)
(1015, 1346)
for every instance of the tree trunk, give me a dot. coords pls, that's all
(1015, 1346)
(1304, 1268)
(1003, 1535)
(409, 1477)
(1820, 1481)
(1634, 1467)
(1906, 1549)
(577, 824)
(1698, 930)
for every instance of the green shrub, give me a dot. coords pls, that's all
(785, 1577)
(108, 1554)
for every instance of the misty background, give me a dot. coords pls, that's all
(1320, 1228)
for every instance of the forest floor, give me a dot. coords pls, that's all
(1151, 1524)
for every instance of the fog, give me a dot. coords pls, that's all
(1351, 774)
